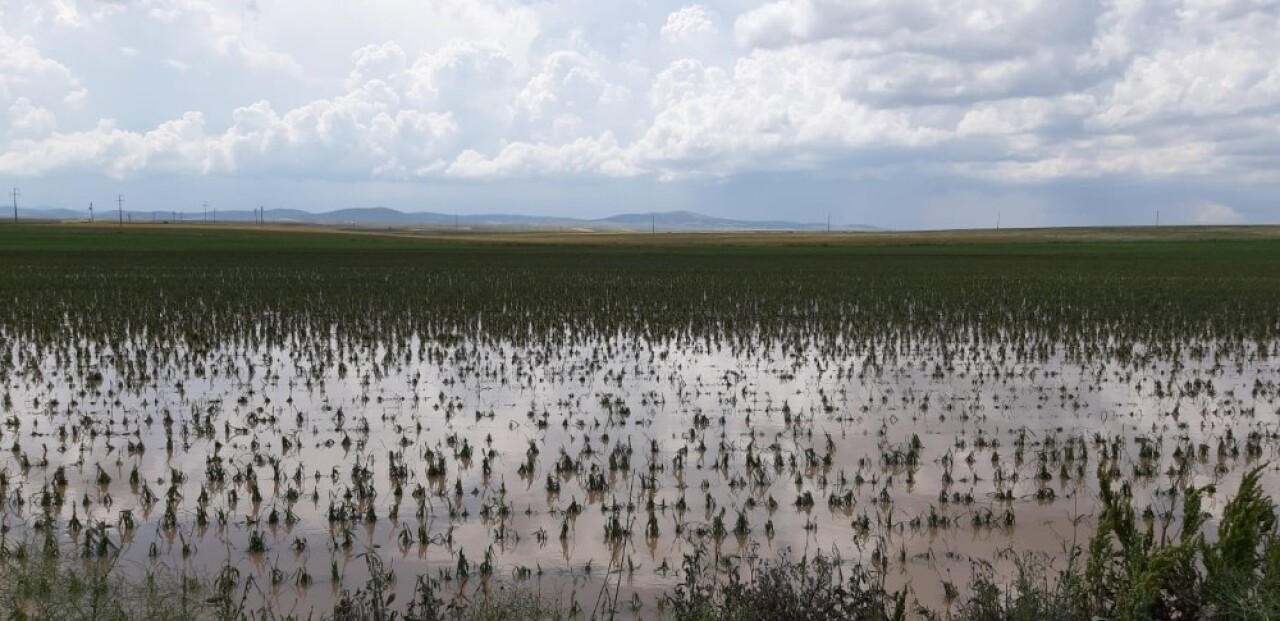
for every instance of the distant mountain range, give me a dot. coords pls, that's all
(383, 217)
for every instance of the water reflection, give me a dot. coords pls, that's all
(560, 464)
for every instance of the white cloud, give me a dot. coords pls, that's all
(376, 62)
(571, 97)
(584, 156)
(27, 119)
(994, 91)
(689, 22)
(26, 71)
(775, 109)
(965, 26)
(176, 146)
(365, 133)
(56, 13)
(1180, 76)
(1007, 117)
(1216, 213)
(225, 30)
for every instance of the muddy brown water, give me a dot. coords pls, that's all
(928, 465)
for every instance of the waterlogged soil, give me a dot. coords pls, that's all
(934, 468)
(585, 454)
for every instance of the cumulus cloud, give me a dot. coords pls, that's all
(996, 91)
(26, 119)
(225, 30)
(56, 13)
(33, 88)
(584, 156)
(26, 71)
(176, 146)
(776, 109)
(689, 22)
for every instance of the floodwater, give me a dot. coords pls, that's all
(581, 466)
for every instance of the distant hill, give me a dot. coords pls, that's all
(383, 217)
(693, 221)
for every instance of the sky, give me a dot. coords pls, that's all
(919, 114)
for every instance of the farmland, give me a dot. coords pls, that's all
(606, 424)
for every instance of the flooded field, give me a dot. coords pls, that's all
(580, 421)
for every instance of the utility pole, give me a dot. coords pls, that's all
(205, 205)
(90, 212)
(653, 224)
(16, 193)
(1157, 217)
(828, 221)
(120, 207)
(997, 221)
